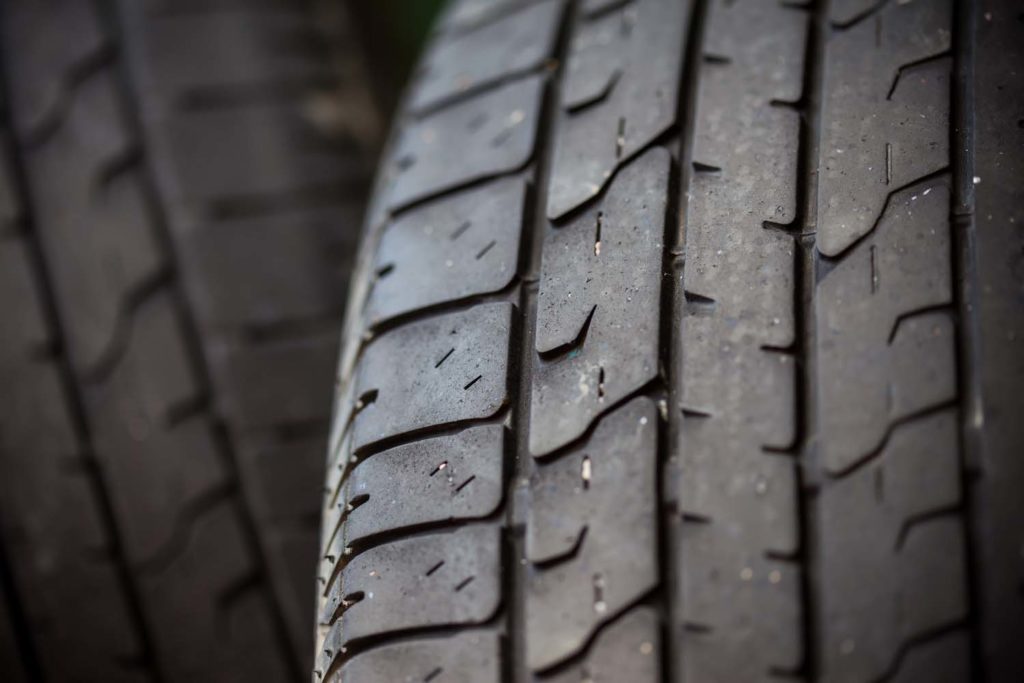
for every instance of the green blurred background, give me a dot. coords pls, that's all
(391, 35)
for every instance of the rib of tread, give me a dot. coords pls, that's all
(890, 490)
(740, 599)
(417, 468)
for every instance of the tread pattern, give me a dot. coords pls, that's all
(738, 228)
(176, 543)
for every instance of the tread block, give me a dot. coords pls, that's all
(464, 15)
(882, 127)
(746, 167)
(261, 273)
(881, 343)
(720, 464)
(844, 12)
(627, 650)
(434, 372)
(747, 393)
(441, 579)
(518, 42)
(216, 167)
(50, 44)
(893, 570)
(154, 462)
(447, 478)
(228, 50)
(79, 198)
(484, 136)
(226, 637)
(621, 86)
(764, 43)
(469, 657)
(593, 7)
(944, 660)
(584, 523)
(454, 248)
(275, 384)
(741, 607)
(284, 478)
(599, 305)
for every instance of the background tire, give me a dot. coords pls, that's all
(684, 345)
(181, 187)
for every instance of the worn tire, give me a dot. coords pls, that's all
(180, 197)
(685, 344)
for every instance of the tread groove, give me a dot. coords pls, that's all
(965, 295)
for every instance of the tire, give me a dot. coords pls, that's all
(181, 192)
(685, 344)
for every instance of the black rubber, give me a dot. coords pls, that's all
(180, 196)
(685, 344)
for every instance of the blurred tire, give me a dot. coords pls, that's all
(181, 186)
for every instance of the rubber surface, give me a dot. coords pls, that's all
(738, 387)
(180, 189)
